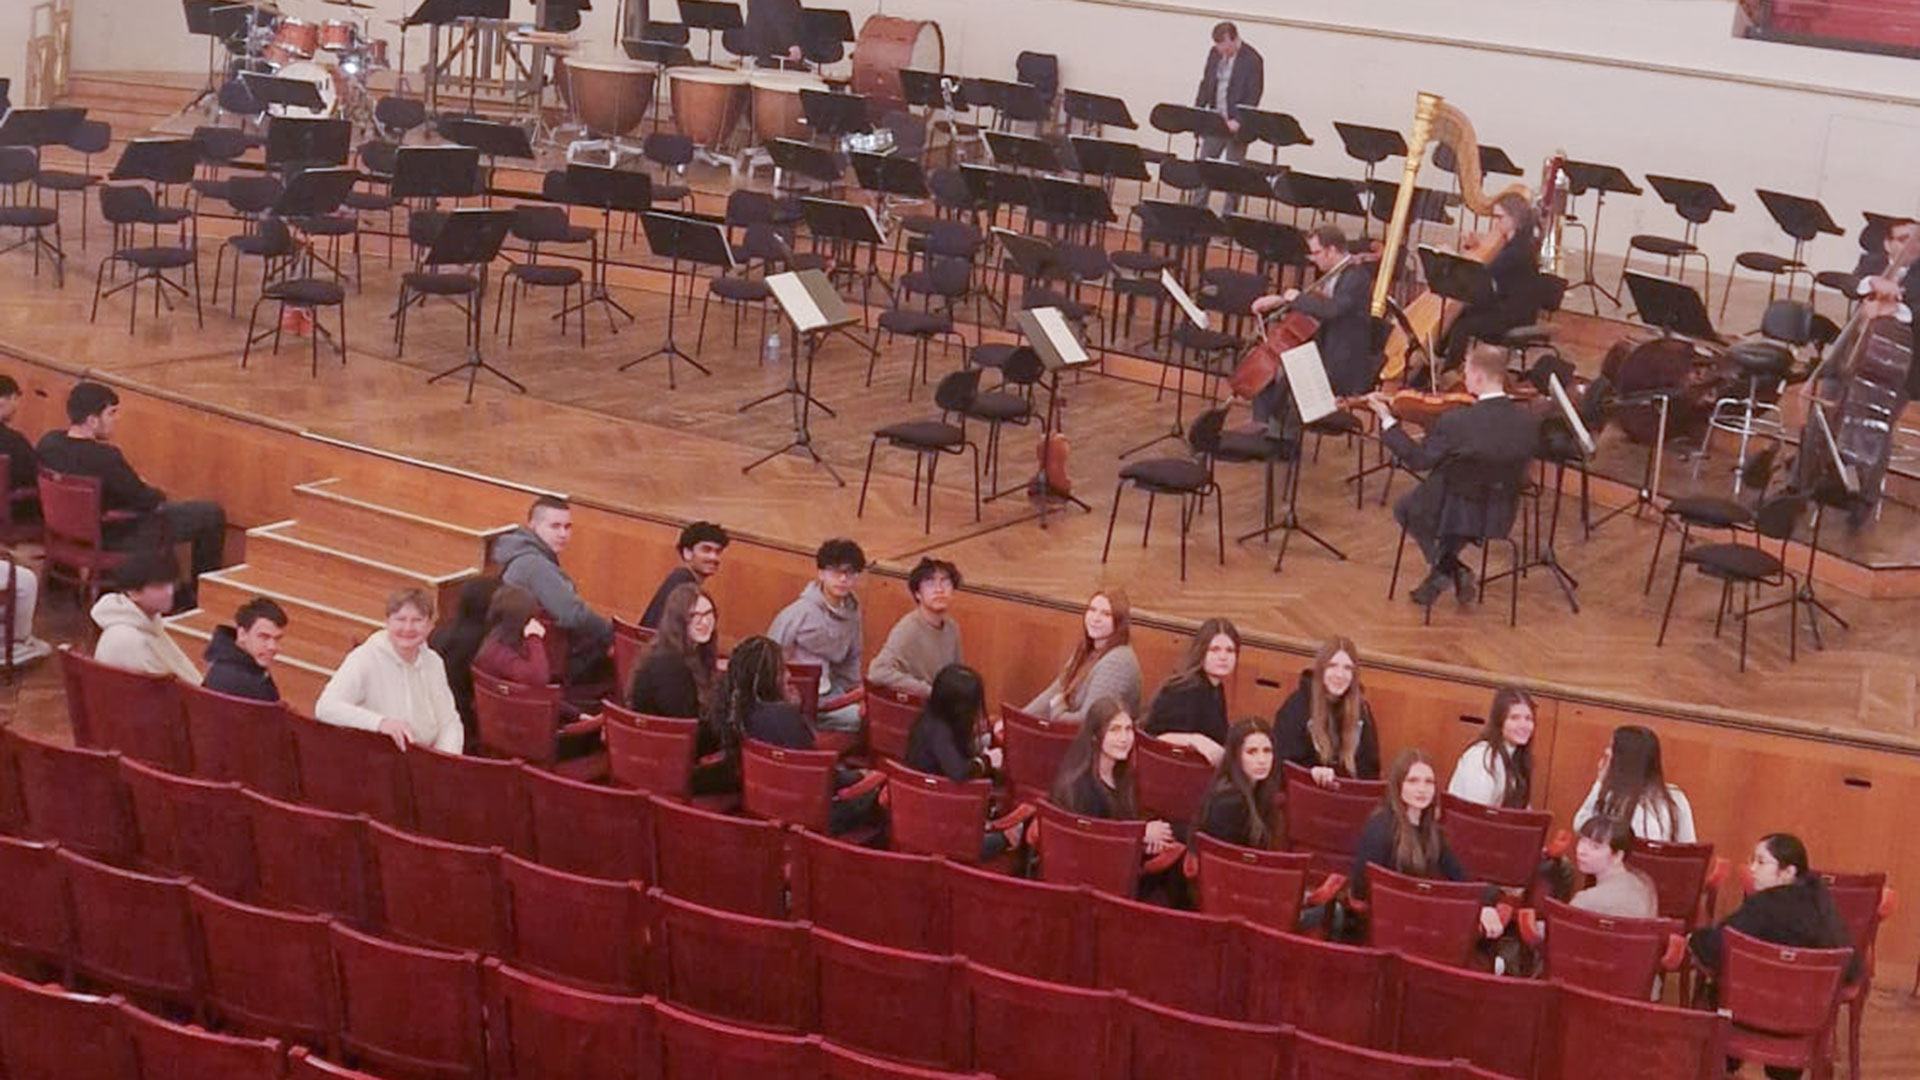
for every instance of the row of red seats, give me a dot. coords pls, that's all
(417, 1009)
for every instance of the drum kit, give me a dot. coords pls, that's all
(337, 55)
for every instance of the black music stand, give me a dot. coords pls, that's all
(1676, 310)
(270, 90)
(846, 228)
(432, 173)
(664, 53)
(1023, 152)
(1493, 160)
(702, 243)
(807, 160)
(1201, 123)
(1582, 177)
(994, 188)
(1289, 521)
(1109, 160)
(1097, 111)
(40, 127)
(472, 238)
(1320, 194)
(923, 88)
(834, 116)
(713, 16)
(1276, 129)
(825, 26)
(610, 189)
(889, 177)
(1074, 205)
(1239, 180)
(1428, 204)
(1273, 243)
(311, 194)
(1371, 146)
(1034, 259)
(1802, 219)
(813, 310)
(1830, 483)
(1059, 348)
(492, 138)
(296, 143)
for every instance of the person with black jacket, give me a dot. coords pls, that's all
(1241, 807)
(1339, 299)
(458, 641)
(1405, 836)
(1514, 270)
(699, 547)
(1190, 709)
(238, 656)
(1234, 75)
(1496, 435)
(675, 676)
(1326, 725)
(1096, 773)
(944, 740)
(23, 463)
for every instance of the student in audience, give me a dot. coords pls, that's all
(945, 739)
(1096, 775)
(25, 585)
(1102, 664)
(676, 675)
(926, 639)
(394, 684)
(514, 646)
(1405, 836)
(823, 627)
(700, 546)
(23, 463)
(458, 642)
(238, 656)
(1190, 708)
(132, 635)
(1325, 725)
(84, 448)
(1241, 806)
(529, 557)
(1619, 890)
(1497, 769)
(1631, 786)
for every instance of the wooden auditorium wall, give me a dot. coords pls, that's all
(1744, 781)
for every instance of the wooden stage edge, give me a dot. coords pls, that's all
(1735, 719)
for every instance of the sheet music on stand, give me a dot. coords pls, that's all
(1307, 377)
(1053, 338)
(809, 300)
(1842, 468)
(1180, 297)
(1571, 415)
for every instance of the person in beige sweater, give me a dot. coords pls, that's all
(132, 635)
(394, 684)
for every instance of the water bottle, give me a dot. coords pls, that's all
(771, 354)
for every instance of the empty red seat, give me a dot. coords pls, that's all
(1169, 782)
(720, 861)
(194, 827)
(588, 829)
(1864, 902)
(72, 795)
(469, 800)
(1315, 1058)
(524, 722)
(132, 932)
(137, 714)
(33, 921)
(885, 897)
(268, 972)
(938, 816)
(1497, 1023)
(693, 1047)
(1783, 1000)
(236, 738)
(1267, 888)
(1496, 843)
(586, 931)
(350, 771)
(903, 1005)
(845, 1063)
(435, 893)
(890, 717)
(746, 969)
(167, 1051)
(1598, 1036)
(13, 811)
(1026, 1029)
(1169, 1044)
(1326, 822)
(1686, 876)
(1173, 958)
(414, 1011)
(47, 1033)
(541, 1030)
(795, 787)
(1438, 920)
(1287, 977)
(1029, 928)
(629, 642)
(311, 860)
(652, 753)
(1603, 952)
(1035, 747)
(1107, 856)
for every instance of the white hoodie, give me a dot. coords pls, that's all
(132, 640)
(373, 683)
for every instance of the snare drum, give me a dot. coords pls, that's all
(610, 96)
(776, 104)
(707, 102)
(338, 35)
(331, 84)
(297, 38)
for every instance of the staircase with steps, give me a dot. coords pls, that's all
(331, 567)
(133, 103)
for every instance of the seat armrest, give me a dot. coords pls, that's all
(1018, 815)
(1676, 952)
(872, 781)
(1327, 889)
(1559, 844)
(1168, 858)
(1532, 930)
(585, 725)
(857, 694)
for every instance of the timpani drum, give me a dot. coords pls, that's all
(339, 35)
(776, 104)
(328, 80)
(707, 102)
(884, 47)
(297, 39)
(610, 96)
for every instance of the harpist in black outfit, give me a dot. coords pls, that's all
(1516, 299)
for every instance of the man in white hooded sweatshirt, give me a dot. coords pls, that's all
(132, 635)
(392, 683)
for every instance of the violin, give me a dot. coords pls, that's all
(1422, 407)
(1288, 329)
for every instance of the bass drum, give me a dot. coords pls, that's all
(884, 47)
(331, 84)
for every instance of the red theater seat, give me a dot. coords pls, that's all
(541, 1030)
(586, 931)
(903, 1005)
(268, 972)
(416, 1012)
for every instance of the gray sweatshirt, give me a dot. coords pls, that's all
(530, 564)
(1115, 675)
(915, 652)
(815, 632)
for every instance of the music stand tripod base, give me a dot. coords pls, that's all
(813, 309)
(702, 243)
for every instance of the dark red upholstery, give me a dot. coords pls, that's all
(629, 642)
(469, 800)
(33, 921)
(1173, 958)
(890, 716)
(1029, 928)
(699, 954)
(1864, 902)
(235, 738)
(1170, 1044)
(168, 1051)
(1497, 1023)
(793, 787)
(720, 861)
(1263, 887)
(1025, 1029)
(588, 829)
(413, 1011)
(541, 1030)
(1683, 874)
(1494, 843)
(302, 1065)
(937, 816)
(1169, 782)
(1601, 1037)
(586, 931)
(199, 828)
(1783, 999)
(311, 860)
(132, 932)
(1438, 920)
(1035, 748)
(1604, 953)
(1315, 1058)
(844, 1063)
(72, 795)
(886, 897)
(436, 893)
(47, 1033)
(903, 1005)
(1287, 980)
(1079, 850)
(652, 753)
(693, 1047)
(139, 715)
(524, 722)
(267, 971)
(1326, 822)
(350, 771)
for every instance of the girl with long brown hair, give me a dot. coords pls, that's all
(1631, 785)
(1102, 664)
(1096, 775)
(676, 674)
(1325, 725)
(1190, 708)
(1405, 836)
(1497, 770)
(1241, 807)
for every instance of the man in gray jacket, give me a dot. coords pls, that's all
(529, 557)
(823, 627)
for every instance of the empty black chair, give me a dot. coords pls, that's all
(1766, 363)
(217, 148)
(1188, 478)
(1748, 566)
(126, 207)
(89, 138)
(1802, 219)
(377, 158)
(946, 278)
(736, 290)
(1696, 202)
(535, 226)
(672, 152)
(308, 294)
(395, 116)
(930, 439)
(262, 236)
(18, 169)
(1020, 371)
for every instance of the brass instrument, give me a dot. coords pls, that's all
(1551, 211)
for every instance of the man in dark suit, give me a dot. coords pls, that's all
(1234, 76)
(1888, 297)
(1339, 300)
(1495, 437)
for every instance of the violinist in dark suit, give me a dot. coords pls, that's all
(1494, 438)
(1517, 286)
(1339, 300)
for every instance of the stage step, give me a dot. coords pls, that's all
(325, 621)
(356, 569)
(333, 506)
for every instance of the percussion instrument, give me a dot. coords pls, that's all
(885, 46)
(610, 96)
(297, 38)
(339, 35)
(707, 102)
(376, 52)
(776, 104)
(331, 84)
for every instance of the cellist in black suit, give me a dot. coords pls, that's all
(1496, 433)
(1338, 299)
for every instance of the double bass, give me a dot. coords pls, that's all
(1289, 330)
(1871, 363)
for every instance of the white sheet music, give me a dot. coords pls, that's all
(1571, 415)
(1307, 376)
(1059, 335)
(1194, 314)
(794, 299)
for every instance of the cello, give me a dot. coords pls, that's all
(1288, 330)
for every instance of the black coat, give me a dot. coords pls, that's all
(1198, 706)
(1245, 83)
(932, 749)
(1800, 914)
(231, 671)
(1291, 742)
(23, 462)
(662, 686)
(1494, 437)
(1346, 337)
(773, 26)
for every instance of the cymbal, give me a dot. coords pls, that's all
(349, 4)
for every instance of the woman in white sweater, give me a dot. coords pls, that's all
(1631, 787)
(392, 683)
(1497, 769)
(1102, 665)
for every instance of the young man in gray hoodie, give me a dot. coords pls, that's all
(529, 557)
(823, 627)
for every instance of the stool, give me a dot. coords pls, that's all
(1765, 365)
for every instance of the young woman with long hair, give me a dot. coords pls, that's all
(513, 647)
(1240, 806)
(1325, 725)
(1631, 785)
(1096, 775)
(677, 673)
(1404, 835)
(944, 738)
(1190, 708)
(1497, 770)
(1102, 664)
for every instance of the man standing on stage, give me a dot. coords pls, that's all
(1235, 76)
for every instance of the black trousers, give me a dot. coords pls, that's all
(1442, 552)
(199, 523)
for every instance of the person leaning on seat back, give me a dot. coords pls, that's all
(1096, 775)
(133, 636)
(926, 639)
(823, 627)
(529, 557)
(1190, 708)
(394, 684)
(699, 547)
(1101, 665)
(1405, 836)
(1242, 805)
(677, 673)
(1326, 725)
